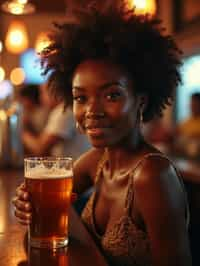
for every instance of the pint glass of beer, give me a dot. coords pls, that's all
(49, 183)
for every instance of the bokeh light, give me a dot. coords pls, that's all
(1, 46)
(2, 74)
(17, 76)
(16, 38)
(143, 6)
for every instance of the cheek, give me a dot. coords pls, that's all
(126, 118)
(77, 111)
(121, 111)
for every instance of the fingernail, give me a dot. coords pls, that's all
(25, 195)
(28, 215)
(27, 206)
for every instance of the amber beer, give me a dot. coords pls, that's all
(49, 257)
(50, 192)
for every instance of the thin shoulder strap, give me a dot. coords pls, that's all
(100, 167)
(130, 193)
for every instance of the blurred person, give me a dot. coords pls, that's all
(59, 136)
(159, 135)
(35, 114)
(187, 139)
(120, 70)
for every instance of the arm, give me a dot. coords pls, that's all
(27, 124)
(160, 200)
(39, 145)
(84, 171)
(59, 127)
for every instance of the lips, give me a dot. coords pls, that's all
(96, 130)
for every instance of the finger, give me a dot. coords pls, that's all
(22, 186)
(23, 216)
(22, 194)
(23, 222)
(21, 205)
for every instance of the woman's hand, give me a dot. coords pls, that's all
(22, 205)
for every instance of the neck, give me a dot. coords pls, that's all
(120, 157)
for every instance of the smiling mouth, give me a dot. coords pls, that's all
(95, 132)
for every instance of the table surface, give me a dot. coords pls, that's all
(13, 248)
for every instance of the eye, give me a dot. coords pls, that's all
(113, 96)
(79, 98)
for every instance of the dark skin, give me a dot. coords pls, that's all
(108, 111)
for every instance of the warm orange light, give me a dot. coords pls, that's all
(18, 7)
(22, 2)
(17, 76)
(42, 42)
(143, 7)
(17, 38)
(1, 46)
(15, 8)
(2, 74)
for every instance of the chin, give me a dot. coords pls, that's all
(98, 143)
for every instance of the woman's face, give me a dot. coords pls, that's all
(103, 102)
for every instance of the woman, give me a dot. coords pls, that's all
(120, 71)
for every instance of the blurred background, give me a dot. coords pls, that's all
(24, 31)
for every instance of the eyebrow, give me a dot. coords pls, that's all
(104, 86)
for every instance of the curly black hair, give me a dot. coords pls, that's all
(135, 42)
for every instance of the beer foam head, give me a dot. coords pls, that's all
(41, 172)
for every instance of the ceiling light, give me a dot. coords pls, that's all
(143, 7)
(23, 2)
(16, 38)
(18, 7)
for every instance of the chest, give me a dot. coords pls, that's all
(118, 234)
(109, 204)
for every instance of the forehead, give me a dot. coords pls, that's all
(98, 72)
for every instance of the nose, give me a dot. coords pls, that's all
(95, 109)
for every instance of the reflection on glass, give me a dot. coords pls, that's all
(41, 257)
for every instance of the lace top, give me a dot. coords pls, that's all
(125, 244)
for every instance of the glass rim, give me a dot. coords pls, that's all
(47, 158)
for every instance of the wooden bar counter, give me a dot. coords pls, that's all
(14, 250)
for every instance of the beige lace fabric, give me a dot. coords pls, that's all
(125, 244)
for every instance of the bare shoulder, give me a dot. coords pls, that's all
(156, 169)
(85, 169)
(161, 204)
(157, 179)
